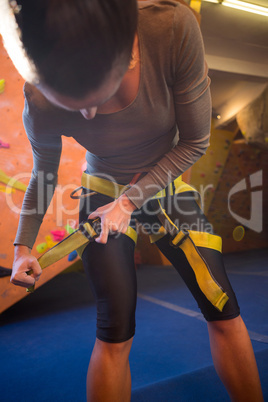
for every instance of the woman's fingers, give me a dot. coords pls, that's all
(26, 270)
(103, 237)
(114, 219)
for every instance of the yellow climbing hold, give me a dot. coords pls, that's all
(41, 247)
(50, 242)
(2, 86)
(238, 233)
(6, 190)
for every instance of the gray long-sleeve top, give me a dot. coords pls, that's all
(163, 132)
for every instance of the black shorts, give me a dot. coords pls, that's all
(111, 269)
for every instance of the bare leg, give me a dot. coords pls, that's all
(234, 360)
(108, 377)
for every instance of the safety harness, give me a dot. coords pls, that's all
(78, 240)
(187, 241)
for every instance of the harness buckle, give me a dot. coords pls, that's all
(90, 228)
(177, 240)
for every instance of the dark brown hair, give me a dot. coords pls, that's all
(75, 43)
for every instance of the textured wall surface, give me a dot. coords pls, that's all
(253, 121)
(17, 161)
(235, 202)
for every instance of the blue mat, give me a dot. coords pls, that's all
(47, 338)
(201, 385)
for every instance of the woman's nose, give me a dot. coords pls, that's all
(89, 113)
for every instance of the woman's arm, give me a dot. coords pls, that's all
(46, 150)
(192, 104)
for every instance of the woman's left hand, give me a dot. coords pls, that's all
(115, 217)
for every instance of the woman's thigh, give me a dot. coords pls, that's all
(111, 271)
(183, 210)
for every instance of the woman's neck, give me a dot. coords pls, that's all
(129, 87)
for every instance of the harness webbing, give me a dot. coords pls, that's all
(188, 241)
(185, 240)
(114, 190)
(76, 241)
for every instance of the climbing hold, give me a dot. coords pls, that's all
(238, 233)
(4, 144)
(50, 242)
(7, 190)
(2, 85)
(72, 255)
(11, 182)
(202, 174)
(41, 247)
(58, 235)
(69, 229)
(218, 164)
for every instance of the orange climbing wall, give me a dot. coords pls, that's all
(17, 160)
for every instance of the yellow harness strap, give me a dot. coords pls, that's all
(102, 186)
(79, 238)
(206, 282)
(130, 233)
(188, 241)
(114, 190)
(70, 243)
(76, 241)
(200, 239)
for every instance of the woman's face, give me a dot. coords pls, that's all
(87, 106)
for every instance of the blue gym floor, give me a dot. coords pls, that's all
(47, 338)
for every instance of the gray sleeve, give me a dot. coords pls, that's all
(46, 150)
(192, 107)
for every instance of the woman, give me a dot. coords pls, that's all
(136, 96)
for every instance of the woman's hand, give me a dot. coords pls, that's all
(115, 217)
(23, 263)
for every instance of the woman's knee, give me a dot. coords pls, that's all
(114, 350)
(224, 327)
(116, 320)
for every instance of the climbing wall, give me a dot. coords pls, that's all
(207, 171)
(232, 180)
(239, 210)
(16, 162)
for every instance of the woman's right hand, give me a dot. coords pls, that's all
(23, 263)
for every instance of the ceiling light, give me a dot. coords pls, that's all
(242, 5)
